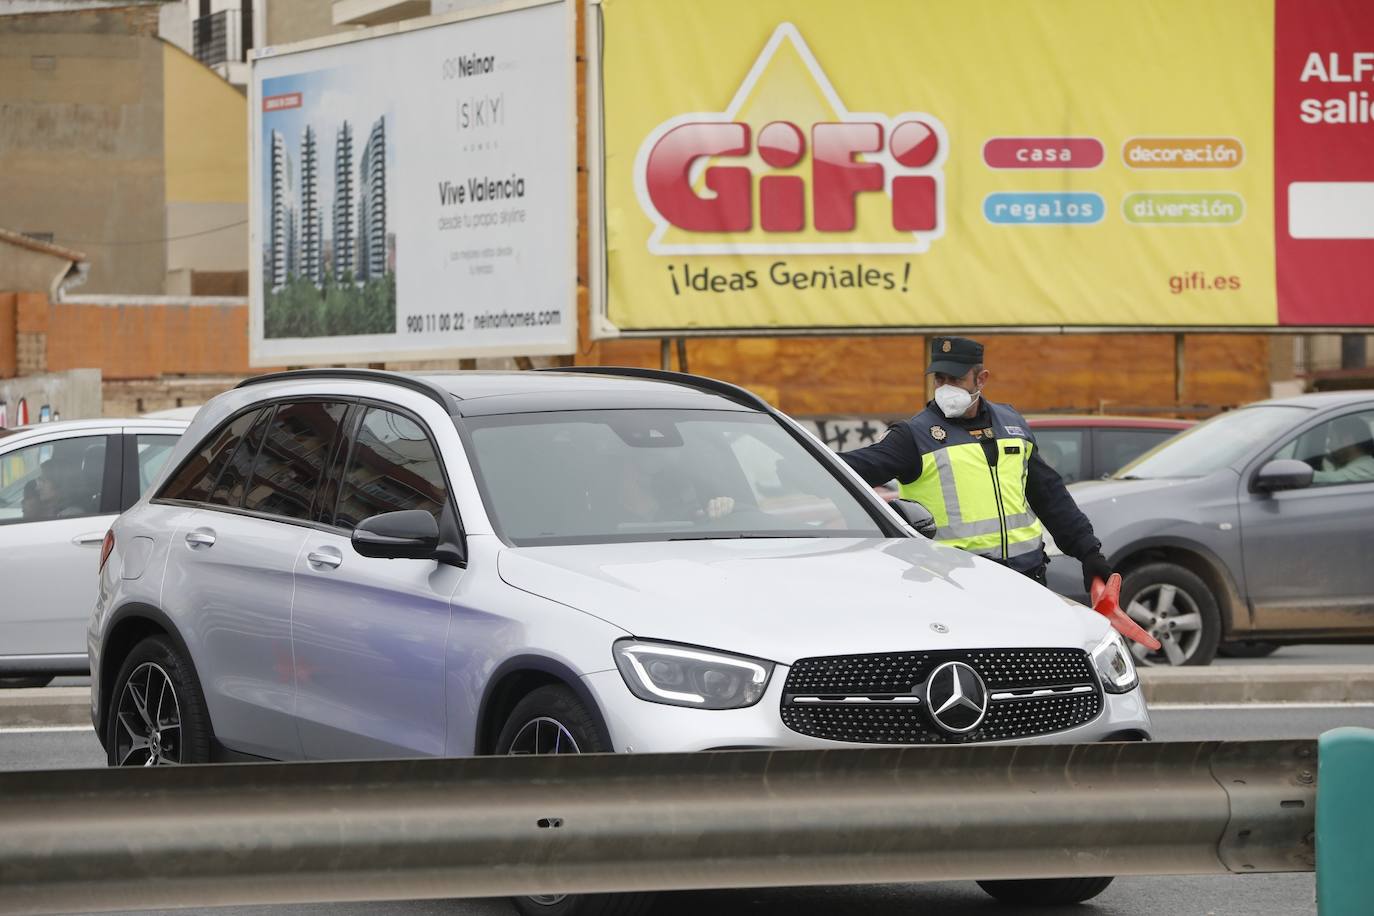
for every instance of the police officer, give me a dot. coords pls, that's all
(974, 465)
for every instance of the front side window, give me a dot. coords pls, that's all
(393, 466)
(290, 463)
(195, 480)
(596, 476)
(1339, 451)
(54, 480)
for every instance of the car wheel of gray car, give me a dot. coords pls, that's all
(552, 720)
(1046, 891)
(1247, 648)
(157, 711)
(1178, 609)
(41, 681)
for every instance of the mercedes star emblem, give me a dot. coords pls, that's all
(956, 697)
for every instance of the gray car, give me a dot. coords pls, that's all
(1256, 527)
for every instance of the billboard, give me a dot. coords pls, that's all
(413, 192)
(888, 165)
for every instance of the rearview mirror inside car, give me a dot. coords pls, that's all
(915, 515)
(411, 534)
(1283, 474)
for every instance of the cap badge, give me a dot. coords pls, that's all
(946, 347)
(937, 433)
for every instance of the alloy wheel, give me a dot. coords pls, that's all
(149, 719)
(1170, 615)
(544, 735)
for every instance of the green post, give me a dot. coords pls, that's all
(1345, 818)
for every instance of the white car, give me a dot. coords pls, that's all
(358, 564)
(61, 485)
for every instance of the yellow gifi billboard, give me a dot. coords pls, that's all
(923, 164)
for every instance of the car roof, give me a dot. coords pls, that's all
(15, 433)
(1099, 421)
(484, 392)
(1321, 399)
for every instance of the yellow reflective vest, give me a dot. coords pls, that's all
(977, 506)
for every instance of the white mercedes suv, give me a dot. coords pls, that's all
(353, 563)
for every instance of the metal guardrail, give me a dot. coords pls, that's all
(407, 829)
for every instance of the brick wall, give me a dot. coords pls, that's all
(148, 341)
(8, 354)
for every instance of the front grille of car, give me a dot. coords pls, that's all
(880, 699)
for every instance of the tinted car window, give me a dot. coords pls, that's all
(1062, 450)
(233, 480)
(292, 459)
(1116, 448)
(393, 466)
(61, 479)
(195, 480)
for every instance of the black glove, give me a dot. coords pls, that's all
(1094, 567)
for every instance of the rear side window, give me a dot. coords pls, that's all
(1062, 450)
(291, 462)
(1116, 448)
(393, 466)
(195, 480)
(152, 452)
(233, 480)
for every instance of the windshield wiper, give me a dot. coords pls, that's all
(742, 535)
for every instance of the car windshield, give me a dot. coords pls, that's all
(1214, 444)
(601, 476)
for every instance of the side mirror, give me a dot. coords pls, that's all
(915, 515)
(408, 535)
(1283, 474)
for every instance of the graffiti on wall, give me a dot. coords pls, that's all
(21, 416)
(845, 433)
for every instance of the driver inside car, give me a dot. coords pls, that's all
(665, 496)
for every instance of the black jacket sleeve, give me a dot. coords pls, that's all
(1050, 500)
(894, 455)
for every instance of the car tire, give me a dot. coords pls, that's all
(156, 697)
(555, 714)
(1046, 891)
(1184, 594)
(1247, 648)
(39, 681)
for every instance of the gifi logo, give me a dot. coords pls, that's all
(787, 168)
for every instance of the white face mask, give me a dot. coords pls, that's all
(953, 401)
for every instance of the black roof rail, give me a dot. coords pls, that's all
(445, 398)
(700, 382)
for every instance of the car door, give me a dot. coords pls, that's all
(60, 497)
(228, 581)
(1307, 551)
(370, 634)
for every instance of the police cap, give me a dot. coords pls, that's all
(954, 355)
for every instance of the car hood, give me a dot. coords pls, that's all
(785, 599)
(1091, 492)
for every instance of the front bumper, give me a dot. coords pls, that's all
(638, 726)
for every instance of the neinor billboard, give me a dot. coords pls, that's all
(413, 192)
(883, 164)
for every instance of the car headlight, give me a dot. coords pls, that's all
(1115, 665)
(682, 676)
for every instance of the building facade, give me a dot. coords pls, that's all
(342, 238)
(372, 205)
(311, 244)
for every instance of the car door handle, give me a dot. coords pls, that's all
(88, 540)
(201, 537)
(325, 558)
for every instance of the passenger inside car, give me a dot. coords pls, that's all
(1350, 453)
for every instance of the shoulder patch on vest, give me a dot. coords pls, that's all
(937, 433)
(1016, 430)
